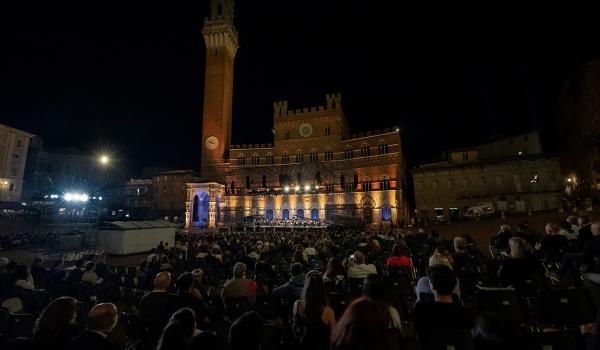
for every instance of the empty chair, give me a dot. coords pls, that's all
(236, 307)
(500, 302)
(566, 306)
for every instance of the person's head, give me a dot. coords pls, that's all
(55, 320)
(198, 273)
(397, 250)
(441, 279)
(239, 270)
(596, 228)
(572, 219)
(185, 282)
(153, 251)
(246, 332)
(162, 281)
(374, 287)
(564, 225)
(518, 247)
(552, 228)
(179, 331)
(103, 318)
(21, 272)
(504, 228)
(460, 244)
(298, 256)
(89, 267)
(584, 220)
(363, 325)
(296, 269)
(314, 295)
(439, 259)
(359, 257)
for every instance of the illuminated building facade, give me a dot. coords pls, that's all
(13, 156)
(315, 168)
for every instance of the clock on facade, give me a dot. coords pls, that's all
(305, 130)
(212, 142)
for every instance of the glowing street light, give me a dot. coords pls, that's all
(297, 188)
(76, 197)
(104, 160)
(286, 189)
(307, 188)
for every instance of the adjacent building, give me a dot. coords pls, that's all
(315, 167)
(169, 192)
(510, 173)
(137, 198)
(13, 158)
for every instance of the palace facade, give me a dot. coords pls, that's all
(315, 168)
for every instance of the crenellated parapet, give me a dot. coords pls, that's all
(219, 31)
(333, 104)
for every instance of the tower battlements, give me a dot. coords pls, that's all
(333, 104)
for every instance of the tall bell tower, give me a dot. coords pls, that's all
(221, 41)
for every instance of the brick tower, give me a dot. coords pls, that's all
(221, 41)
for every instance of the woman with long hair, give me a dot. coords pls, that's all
(335, 275)
(399, 256)
(313, 318)
(178, 333)
(375, 289)
(53, 328)
(363, 326)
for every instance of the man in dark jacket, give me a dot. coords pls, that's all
(102, 319)
(292, 288)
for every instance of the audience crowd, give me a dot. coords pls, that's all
(317, 288)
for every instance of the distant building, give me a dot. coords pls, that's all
(578, 126)
(315, 168)
(13, 158)
(137, 198)
(511, 173)
(170, 192)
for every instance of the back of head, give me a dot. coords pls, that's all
(103, 318)
(374, 288)
(439, 259)
(442, 279)
(596, 228)
(504, 228)
(314, 295)
(239, 269)
(359, 258)
(460, 244)
(185, 282)
(89, 266)
(584, 219)
(363, 325)
(246, 332)
(162, 281)
(175, 336)
(518, 247)
(185, 316)
(55, 320)
(296, 269)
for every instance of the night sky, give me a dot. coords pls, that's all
(131, 78)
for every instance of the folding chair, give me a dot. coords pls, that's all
(236, 307)
(356, 287)
(268, 306)
(338, 302)
(566, 306)
(215, 310)
(504, 303)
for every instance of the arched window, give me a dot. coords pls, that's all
(349, 153)
(300, 212)
(255, 159)
(314, 157)
(299, 157)
(314, 214)
(384, 184)
(386, 213)
(285, 159)
(382, 148)
(241, 160)
(328, 154)
(269, 214)
(269, 159)
(285, 214)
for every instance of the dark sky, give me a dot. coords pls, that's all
(131, 78)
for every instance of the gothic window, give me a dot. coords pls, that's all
(269, 159)
(255, 159)
(286, 135)
(314, 157)
(327, 131)
(241, 160)
(349, 153)
(328, 155)
(383, 148)
(365, 151)
(299, 157)
(285, 159)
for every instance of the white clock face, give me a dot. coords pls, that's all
(211, 142)
(305, 130)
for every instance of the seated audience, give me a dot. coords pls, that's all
(156, 306)
(293, 288)
(186, 296)
(313, 318)
(501, 239)
(364, 325)
(357, 267)
(23, 278)
(424, 285)
(443, 314)
(89, 275)
(178, 333)
(239, 286)
(399, 257)
(520, 265)
(335, 276)
(75, 273)
(53, 328)
(246, 332)
(102, 319)
(375, 289)
(552, 246)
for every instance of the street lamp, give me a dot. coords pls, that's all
(104, 160)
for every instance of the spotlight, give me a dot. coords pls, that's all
(286, 189)
(76, 197)
(297, 188)
(307, 188)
